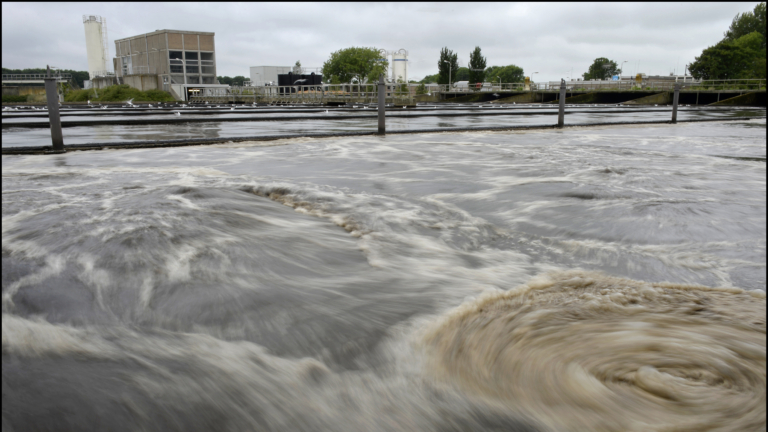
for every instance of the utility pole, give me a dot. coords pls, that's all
(52, 97)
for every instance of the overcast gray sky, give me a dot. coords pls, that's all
(549, 38)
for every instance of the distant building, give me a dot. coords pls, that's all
(177, 61)
(267, 75)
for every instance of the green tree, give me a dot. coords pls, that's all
(601, 68)
(476, 66)
(746, 23)
(739, 59)
(421, 89)
(754, 46)
(447, 65)
(508, 74)
(461, 74)
(429, 79)
(355, 64)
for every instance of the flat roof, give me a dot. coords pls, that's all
(166, 31)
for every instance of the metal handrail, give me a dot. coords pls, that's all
(399, 93)
(644, 85)
(29, 77)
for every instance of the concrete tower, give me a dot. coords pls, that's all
(96, 45)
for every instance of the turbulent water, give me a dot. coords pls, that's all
(607, 279)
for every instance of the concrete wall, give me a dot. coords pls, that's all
(142, 82)
(663, 98)
(521, 98)
(582, 99)
(434, 97)
(748, 99)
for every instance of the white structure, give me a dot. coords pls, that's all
(263, 75)
(96, 45)
(400, 66)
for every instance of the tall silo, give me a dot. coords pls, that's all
(400, 65)
(96, 45)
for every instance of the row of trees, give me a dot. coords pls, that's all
(741, 54)
(476, 71)
(363, 64)
(236, 81)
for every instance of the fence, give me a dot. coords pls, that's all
(323, 93)
(625, 85)
(36, 77)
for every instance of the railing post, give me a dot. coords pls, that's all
(52, 97)
(381, 105)
(561, 112)
(674, 103)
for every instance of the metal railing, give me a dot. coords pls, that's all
(320, 93)
(624, 85)
(35, 77)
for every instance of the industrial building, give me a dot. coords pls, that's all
(267, 75)
(180, 62)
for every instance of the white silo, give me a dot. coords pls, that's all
(400, 65)
(96, 45)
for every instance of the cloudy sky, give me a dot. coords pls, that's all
(548, 38)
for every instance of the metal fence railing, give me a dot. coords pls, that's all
(624, 85)
(368, 93)
(35, 77)
(320, 93)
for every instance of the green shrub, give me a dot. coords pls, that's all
(14, 99)
(118, 93)
(158, 96)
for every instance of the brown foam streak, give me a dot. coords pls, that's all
(584, 351)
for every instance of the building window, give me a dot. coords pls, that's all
(127, 65)
(208, 80)
(206, 63)
(192, 69)
(193, 79)
(190, 55)
(177, 64)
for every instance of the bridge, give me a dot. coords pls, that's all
(19, 79)
(324, 94)
(723, 92)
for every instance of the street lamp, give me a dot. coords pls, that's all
(622, 68)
